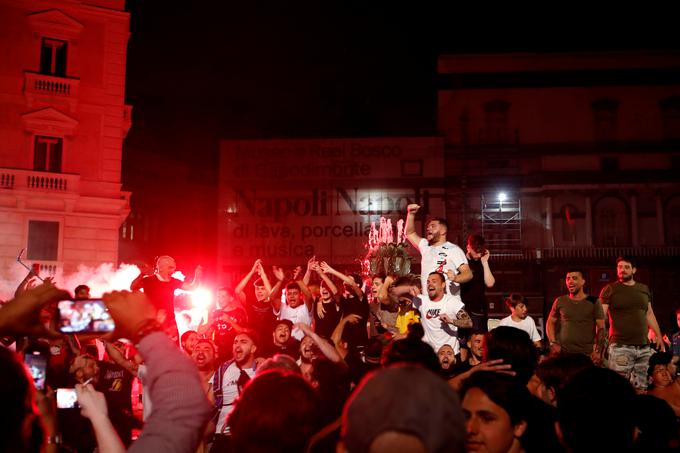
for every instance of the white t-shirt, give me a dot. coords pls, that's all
(295, 315)
(229, 394)
(440, 258)
(527, 324)
(438, 332)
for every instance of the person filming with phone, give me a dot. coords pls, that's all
(174, 383)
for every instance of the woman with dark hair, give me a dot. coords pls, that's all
(277, 412)
(494, 406)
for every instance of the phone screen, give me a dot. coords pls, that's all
(67, 398)
(84, 316)
(37, 366)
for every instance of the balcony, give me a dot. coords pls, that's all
(41, 86)
(587, 253)
(38, 181)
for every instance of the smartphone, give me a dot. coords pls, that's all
(84, 316)
(67, 399)
(36, 362)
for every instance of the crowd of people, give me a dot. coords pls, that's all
(318, 360)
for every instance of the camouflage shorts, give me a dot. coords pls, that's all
(631, 362)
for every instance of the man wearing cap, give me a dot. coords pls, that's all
(282, 341)
(229, 380)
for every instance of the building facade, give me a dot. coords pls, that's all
(63, 119)
(563, 160)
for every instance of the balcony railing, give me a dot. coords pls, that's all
(587, 253)
(41, 84)
(38, 181)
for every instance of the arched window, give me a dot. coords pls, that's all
(569, 214)
(611, 225)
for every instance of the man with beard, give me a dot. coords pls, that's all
(475, 344)
(629, 305)
(160, 288)
(203, 355)
(228, 319)
(441, 314)
(229, 380)
(580, 319)
(114, 381)
(438, 255)
(447, 361)
(282, 341)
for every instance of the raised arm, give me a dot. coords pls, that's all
(239, 290)
(322, 269)
(198, 273)
(308, 272)
(136, 284)
(265, 280)
(489, 279)
(130, 365)
(336, 336)
(345, 278)
(27, 282)
(279, 275)
(306, 293)
(410, 227)
(325, 347)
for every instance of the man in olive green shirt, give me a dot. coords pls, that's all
(630, 316)
(580, 318)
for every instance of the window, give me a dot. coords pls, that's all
(43, 240)
(670, 115)
(495, 131)
(47, 153)
(53, 57)
(609, 164)
(605, 116)
(611, 222)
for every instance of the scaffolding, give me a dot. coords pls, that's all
(502, 224)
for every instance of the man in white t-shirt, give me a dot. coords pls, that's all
(441, 314)
(520, 319)
(437, 254)
(230, 378)
(296, 308)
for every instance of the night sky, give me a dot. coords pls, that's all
(198, 72)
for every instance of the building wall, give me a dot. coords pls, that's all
(587, 143)
(84, 107)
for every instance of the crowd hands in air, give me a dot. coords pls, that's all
(313, 359)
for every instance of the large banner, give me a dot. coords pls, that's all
(286, 200)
